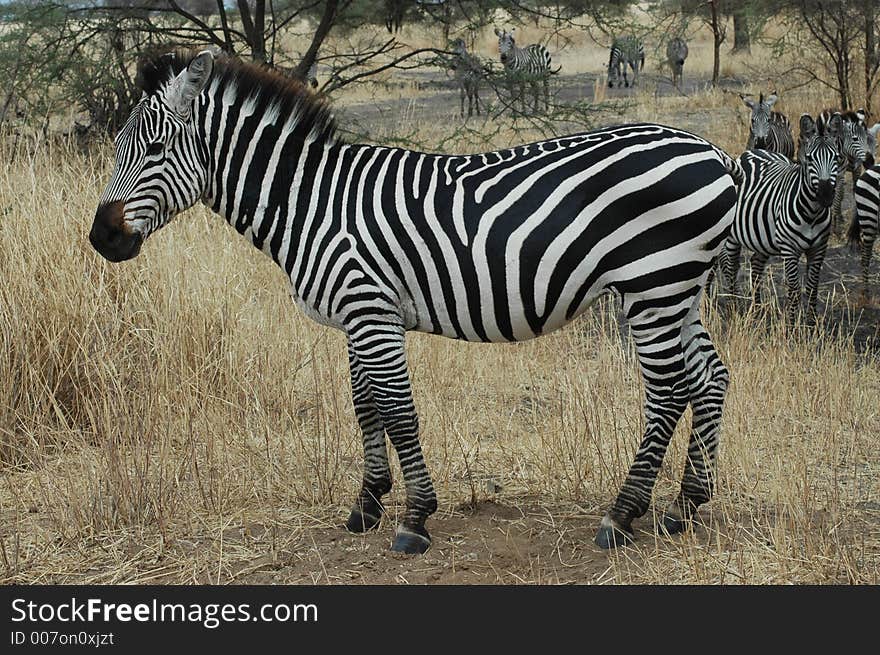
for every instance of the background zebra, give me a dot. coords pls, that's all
(625, 50)
(529, 65)
(866, 219)
(676, 53)
(782, 209)
(494, 247)
(855, 151)
(768, 130)
(468, 71)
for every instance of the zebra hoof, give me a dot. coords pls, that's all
(411, 541)
(672, 522)
(612, 535)
(359, 521)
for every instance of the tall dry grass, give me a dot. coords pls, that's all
(175, 419)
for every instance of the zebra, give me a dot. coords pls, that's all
(855, 150)
(866, 219)
(468, 73)
(529, 65)
(782, 209)
(493, 247)
(676, 53)
(625, 50)
(768, 130)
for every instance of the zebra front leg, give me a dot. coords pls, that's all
(837, 205)
(658, 343)
(708, 380)
(380, 351)
(791, 263)
(368, 509)
(815, 259)
(758, 263)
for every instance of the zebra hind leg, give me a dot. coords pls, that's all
(657, 331)
(368, 509)
(708, 380)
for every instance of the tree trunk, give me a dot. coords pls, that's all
(328, 18)
(254, 27)
(870, 53)
(717, 38)
(741, 40)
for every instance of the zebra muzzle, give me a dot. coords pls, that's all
(111, 236)
(826, 192)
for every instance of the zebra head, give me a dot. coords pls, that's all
(161, 164)
(506, 43)
(759, 131)
(854, 139)
(872, 138)
(820, 156)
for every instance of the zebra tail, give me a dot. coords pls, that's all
(854, 234)
(554, 72)
(733, 167)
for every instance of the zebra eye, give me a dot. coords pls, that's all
(155, 148)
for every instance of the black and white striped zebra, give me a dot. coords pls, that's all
(676, 53)
(468, 71)
(525, 66)
(855, 149)
(782, 209)
(625, 51)
(495, 247)
(866, 219)
(768, 130)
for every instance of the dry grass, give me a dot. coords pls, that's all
(175, 419)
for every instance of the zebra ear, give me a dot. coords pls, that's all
(497, 32)
(861, 114)
(748, 102)
(874, 129)
(190, 83)
(771, 99)
(807, 125)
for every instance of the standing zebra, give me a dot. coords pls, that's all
(855, 151)
(529, 65)
(494, 247)
(676, 53)
(782, 209)
(768, 130)
(625, 50)
(468, 73)
(866, 220)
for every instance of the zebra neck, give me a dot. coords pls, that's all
(270, 178)
(807, 200)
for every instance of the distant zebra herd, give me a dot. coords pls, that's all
(532, 66)
(497, 246)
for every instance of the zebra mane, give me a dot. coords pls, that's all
(290, 98)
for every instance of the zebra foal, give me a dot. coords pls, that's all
(625, 51)
(525, 66)
(494, 247)
(782, 210)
